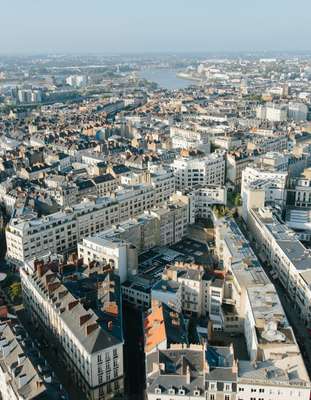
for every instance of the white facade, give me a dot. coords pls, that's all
(260, 186)
(272, 112)
(204, 198)
(60, 232)
(190, 172)
(120, 245)
(189, 139)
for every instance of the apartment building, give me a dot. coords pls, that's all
(164, 184)
(265, 144)
(134, 200)
(272, 112)
(65, 194)
(105, 184)
(204, 198)
(289, 259)
(24, 374)
(189, 139)
(212, 373)
(120, 245)
(30, 236)
(162, 327)
(298, 207)
(279, 379)
(90, 339)
(191, 372)
(250, 300)
(189, 288)
(263, 185)
(201, 199)
(173, 220)
(190, 172)
(235, 163)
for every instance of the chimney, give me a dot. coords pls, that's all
(72, 304)
(39, 384)
(21, 358)
(39, 267)
(188, 377)
(91, 328)
(84, 318)
(53, 286)
(235, 367)
(62, 294)
(48, 278)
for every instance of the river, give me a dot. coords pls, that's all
(165, 78)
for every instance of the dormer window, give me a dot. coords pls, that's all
(181, 392)
(196, 393)
(157, 391)
(171, 391)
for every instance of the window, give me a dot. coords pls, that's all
(227, 387)
(212, 397)
(227, 396)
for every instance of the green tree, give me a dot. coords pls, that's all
(15, 291)
(238, 200)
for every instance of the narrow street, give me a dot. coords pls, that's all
(134, 360)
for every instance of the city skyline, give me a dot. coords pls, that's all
(177, 26)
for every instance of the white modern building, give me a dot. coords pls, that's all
(30, 236)
(121, 244)
(190, 171)
(262, 185)
(272, 112)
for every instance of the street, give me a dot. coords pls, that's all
(134, 360)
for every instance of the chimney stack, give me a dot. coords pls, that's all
(53, 286)
(91, 328)
(72, 304)
(188, 377)
(84, 318)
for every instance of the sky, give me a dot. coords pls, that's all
(140, 26)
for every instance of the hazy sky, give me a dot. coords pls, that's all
(115, 26)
